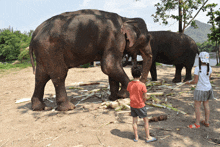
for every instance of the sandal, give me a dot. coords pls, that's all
(194, 126)
(204, 123)
(136, 140)
(150, 140)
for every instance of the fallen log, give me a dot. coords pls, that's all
(124, 105)
(174, 109)
(156, 93)
(157, 118)
(23, 100)
(178, 85)
(89, 95)
(114, 104)
(119, 104)
(156, 100)
(89, 84)
(168, 106)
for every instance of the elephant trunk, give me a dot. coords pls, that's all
(134, 61)
(147, 62)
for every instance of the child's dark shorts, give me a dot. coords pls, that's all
(141, 112)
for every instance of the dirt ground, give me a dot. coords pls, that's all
(22, 127)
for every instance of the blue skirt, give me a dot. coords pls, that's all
(203, 95)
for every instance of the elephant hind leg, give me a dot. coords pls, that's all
(188, 73)
(58, 79)
(153, 72)
(177, 77)
(41, 78)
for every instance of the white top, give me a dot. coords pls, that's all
(203, 82)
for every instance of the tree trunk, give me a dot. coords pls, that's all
(217, 52)
(181, 17)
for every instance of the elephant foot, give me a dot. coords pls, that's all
(37, 105)
(112, 97)
(123, 93)
(153, 79)
(176, 80)
(65, 106)
(187, 79)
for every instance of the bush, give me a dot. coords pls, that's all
(85, 65)
(13, 45)
(9, 45)
(24, 55)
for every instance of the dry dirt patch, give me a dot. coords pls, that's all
(20, 126)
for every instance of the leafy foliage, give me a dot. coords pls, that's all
(185, 7)
(214, 36)
(206, 46)
(9, 45)
(13, 45)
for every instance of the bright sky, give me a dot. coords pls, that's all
(25, 15)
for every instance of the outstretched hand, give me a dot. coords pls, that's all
(188, 82)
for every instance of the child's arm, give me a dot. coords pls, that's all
(194, 81)
(145, 97)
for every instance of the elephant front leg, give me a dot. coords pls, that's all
(63, 103)
(153, 72)
(116, 75)
(115, 92)
(114, 87)
(178, 74)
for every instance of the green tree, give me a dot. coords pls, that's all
(206, 46)
(185, 7)
(9, 45)
(215, 30)
(13, 45)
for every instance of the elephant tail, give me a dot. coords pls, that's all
(32, 58)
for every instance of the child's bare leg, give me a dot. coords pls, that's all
(207, 111)
(146, 127)
(197, 105)
(135, 120)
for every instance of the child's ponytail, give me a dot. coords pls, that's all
(200, 65)
(207, 68)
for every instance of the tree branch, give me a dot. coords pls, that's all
(196, 14)
(184, 20)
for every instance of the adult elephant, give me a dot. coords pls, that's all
(76, 38)
(172, 48)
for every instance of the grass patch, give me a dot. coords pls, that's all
(7, 66)
(158, 64)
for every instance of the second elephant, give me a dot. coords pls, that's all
(173, 48)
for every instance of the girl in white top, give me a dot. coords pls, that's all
(203, 92)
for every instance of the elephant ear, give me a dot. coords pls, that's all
(130, 32)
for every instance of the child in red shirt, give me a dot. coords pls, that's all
(138, 97)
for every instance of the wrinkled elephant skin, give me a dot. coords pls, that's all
(75, 38)
(175, 49)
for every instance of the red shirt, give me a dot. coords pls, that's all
(136, 90)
